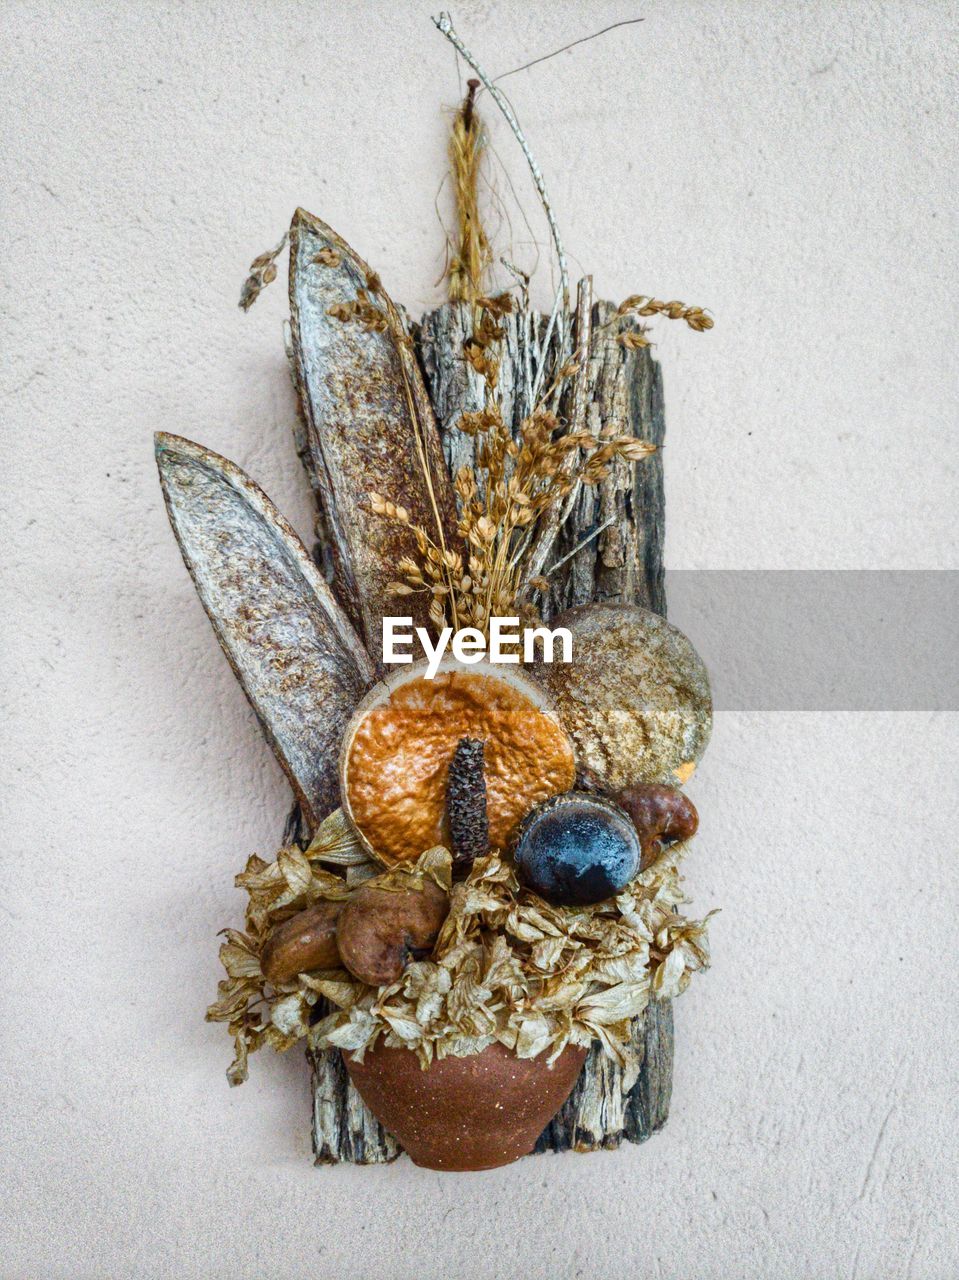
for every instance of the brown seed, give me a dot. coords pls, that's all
(662, 815)
(381, 930)
(304, 942)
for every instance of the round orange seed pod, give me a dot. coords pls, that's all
(398, 747)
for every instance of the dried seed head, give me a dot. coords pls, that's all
(633, 340)
(642, 305)
(262, 273)
(501, 305)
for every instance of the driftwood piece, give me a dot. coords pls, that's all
(622, 392)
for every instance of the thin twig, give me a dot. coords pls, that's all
(445, 25)
(626, 22)
(593, 533)
(552, 520)
(543, 350)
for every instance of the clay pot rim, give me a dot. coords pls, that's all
(387, 685)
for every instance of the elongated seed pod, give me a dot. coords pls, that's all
(466, 803)
(290, 645)
(370, 425)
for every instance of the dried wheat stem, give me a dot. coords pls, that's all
(445, 25)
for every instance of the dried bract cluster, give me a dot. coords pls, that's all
(510, 968)
(278, 891)
(507, 967)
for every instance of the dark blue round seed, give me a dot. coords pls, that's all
(577, 849)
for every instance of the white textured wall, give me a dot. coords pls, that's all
(785, 164)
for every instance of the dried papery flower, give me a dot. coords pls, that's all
(510, 968)
(507, 966)
(279, 891)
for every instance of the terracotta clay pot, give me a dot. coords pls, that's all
(478, 1112)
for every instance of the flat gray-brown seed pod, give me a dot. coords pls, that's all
(291, 646)
(635, 699)
(370, 427)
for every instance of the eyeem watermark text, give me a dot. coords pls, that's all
(506, 643)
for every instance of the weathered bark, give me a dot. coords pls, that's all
(622, 391)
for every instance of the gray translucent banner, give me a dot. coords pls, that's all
(809, 640)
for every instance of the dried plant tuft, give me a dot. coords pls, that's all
(472, 255)
(516, 481)
(507, 967)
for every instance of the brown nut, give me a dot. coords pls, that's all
(661, 815)
(306, 941)
(381, 930)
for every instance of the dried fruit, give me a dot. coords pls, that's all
(398, 748)
(385, 926)
(635, 697)
(466, 803)
(577, 849)
(662, 815)
(305, 942)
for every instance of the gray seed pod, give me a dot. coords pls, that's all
(635, 699)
